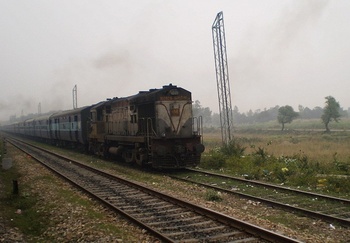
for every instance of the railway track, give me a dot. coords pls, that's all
(327, 208)
(169, 219)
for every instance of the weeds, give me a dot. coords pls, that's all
(213, 196)
(341, 167)
(233, 148)
(272, 159)
(214, 160)
(260, 155)
(21, 208)
(216, 157)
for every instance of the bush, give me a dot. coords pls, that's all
(260, 155)
(216, 158)
(233, 148)
(213, 160)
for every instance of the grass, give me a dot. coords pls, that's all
(20, 209)
(35, 216)
(307, 159)
(298, 124)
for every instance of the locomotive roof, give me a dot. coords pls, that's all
(146, 96)
(155, 94)
(107, 102)
(99, 104)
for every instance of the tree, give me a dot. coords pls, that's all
(330, 111)
(205, 112)
(286, 114)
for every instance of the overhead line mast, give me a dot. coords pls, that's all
(75, 97)
(222, 78)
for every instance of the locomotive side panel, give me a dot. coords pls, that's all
(97, 124)
(82, 126)
(117, 118)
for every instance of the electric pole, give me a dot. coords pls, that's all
(75, 97)
(222, 78)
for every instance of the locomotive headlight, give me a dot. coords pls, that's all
(174, 92)
(163, 135)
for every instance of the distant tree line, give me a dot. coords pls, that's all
(282, 114)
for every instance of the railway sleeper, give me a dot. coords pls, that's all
(173, 213)
(187, 234)
(199, 224)
(238, 237)
(192, 219)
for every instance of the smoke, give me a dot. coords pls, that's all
(11, 107)
(295, 19)
(271, 56)
(113, 60)
(99, 77)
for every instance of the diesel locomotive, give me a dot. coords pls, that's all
(154, 127)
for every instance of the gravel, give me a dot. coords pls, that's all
(75, 217)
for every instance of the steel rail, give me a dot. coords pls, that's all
(343, 200)
(218, 217)
(315, 214)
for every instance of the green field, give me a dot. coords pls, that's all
(299, 124)
(302, 157)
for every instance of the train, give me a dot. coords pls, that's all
(152, 128)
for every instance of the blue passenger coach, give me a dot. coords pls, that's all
(70, 126)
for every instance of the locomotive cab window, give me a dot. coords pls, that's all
(93, 116)
(99, 115)
(108, 109)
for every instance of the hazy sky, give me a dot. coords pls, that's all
(279, 52)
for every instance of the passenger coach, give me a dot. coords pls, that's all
(70, 127)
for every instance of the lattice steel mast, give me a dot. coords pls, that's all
(222, 78)
(75, 97)
(39, 108)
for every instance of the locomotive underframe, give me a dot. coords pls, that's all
(158, 152)
(175, 152)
